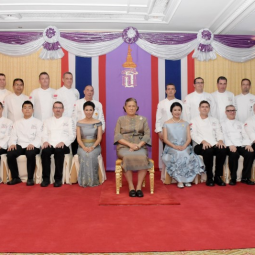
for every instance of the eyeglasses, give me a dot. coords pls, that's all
(59, 108)
(231, 110)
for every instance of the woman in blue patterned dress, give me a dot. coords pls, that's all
(181, 162)
(89, 135)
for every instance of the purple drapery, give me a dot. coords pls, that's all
(167, 38)
(90, 37)
(19, 37)
(237, 41)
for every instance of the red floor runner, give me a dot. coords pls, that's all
(161, 195)
(70, 219)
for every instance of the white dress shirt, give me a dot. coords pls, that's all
(56, 130)
(25, 132)
(42, 100)
(208, 129)
(222, 100)
(163, 112)
(5, 132)
(78, 113)
(13, 106)
(68, 97)
(191, 105)
(244, 106)
(234, 133)
(249, 128)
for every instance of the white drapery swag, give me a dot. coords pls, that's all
(171, 52)
(21, 50)
(78, 49)
(204, 56)
(174, 52)
(90, 49)
(56, 54)
(234, 54)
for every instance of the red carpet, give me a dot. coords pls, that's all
(161, 195)
(70, 219)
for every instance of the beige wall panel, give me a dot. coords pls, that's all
(233, 71)
(28, 68)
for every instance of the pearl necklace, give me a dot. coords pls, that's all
(176, 121)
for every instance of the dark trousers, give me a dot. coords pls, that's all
(3, 151)
(233, 162)
(59, 155)
(12, 162)
(74, 146)
(208, 159)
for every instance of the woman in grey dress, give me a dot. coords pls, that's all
(181, 162)
(132, 134)
(89, 135)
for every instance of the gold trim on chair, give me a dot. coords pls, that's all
(118, 176)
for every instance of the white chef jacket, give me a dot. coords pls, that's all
(244, 106)
(3, 94)
(68, 97)
(56, 130)
(5, 132)
(25, 132)
(191, 105)
(208, 129)
(249, 128)
(222, 100)
(163, 112)
(13, 106)
(234, 133)
(42, 100)
(78, 113)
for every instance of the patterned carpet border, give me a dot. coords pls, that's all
(211, 252)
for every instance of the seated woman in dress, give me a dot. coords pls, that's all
(181, 162)
(132, 134)
(89, 135)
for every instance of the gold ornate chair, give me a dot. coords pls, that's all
(118, 176)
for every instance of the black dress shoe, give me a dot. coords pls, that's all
(218, 181)
(45, 184)
(57, 184)
(210, 182)
(139, 193)
(232, 182)
(247, 181)
(14, 181)
(132, 193)
(30, 182)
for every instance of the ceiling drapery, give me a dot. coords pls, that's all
(237, 48)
